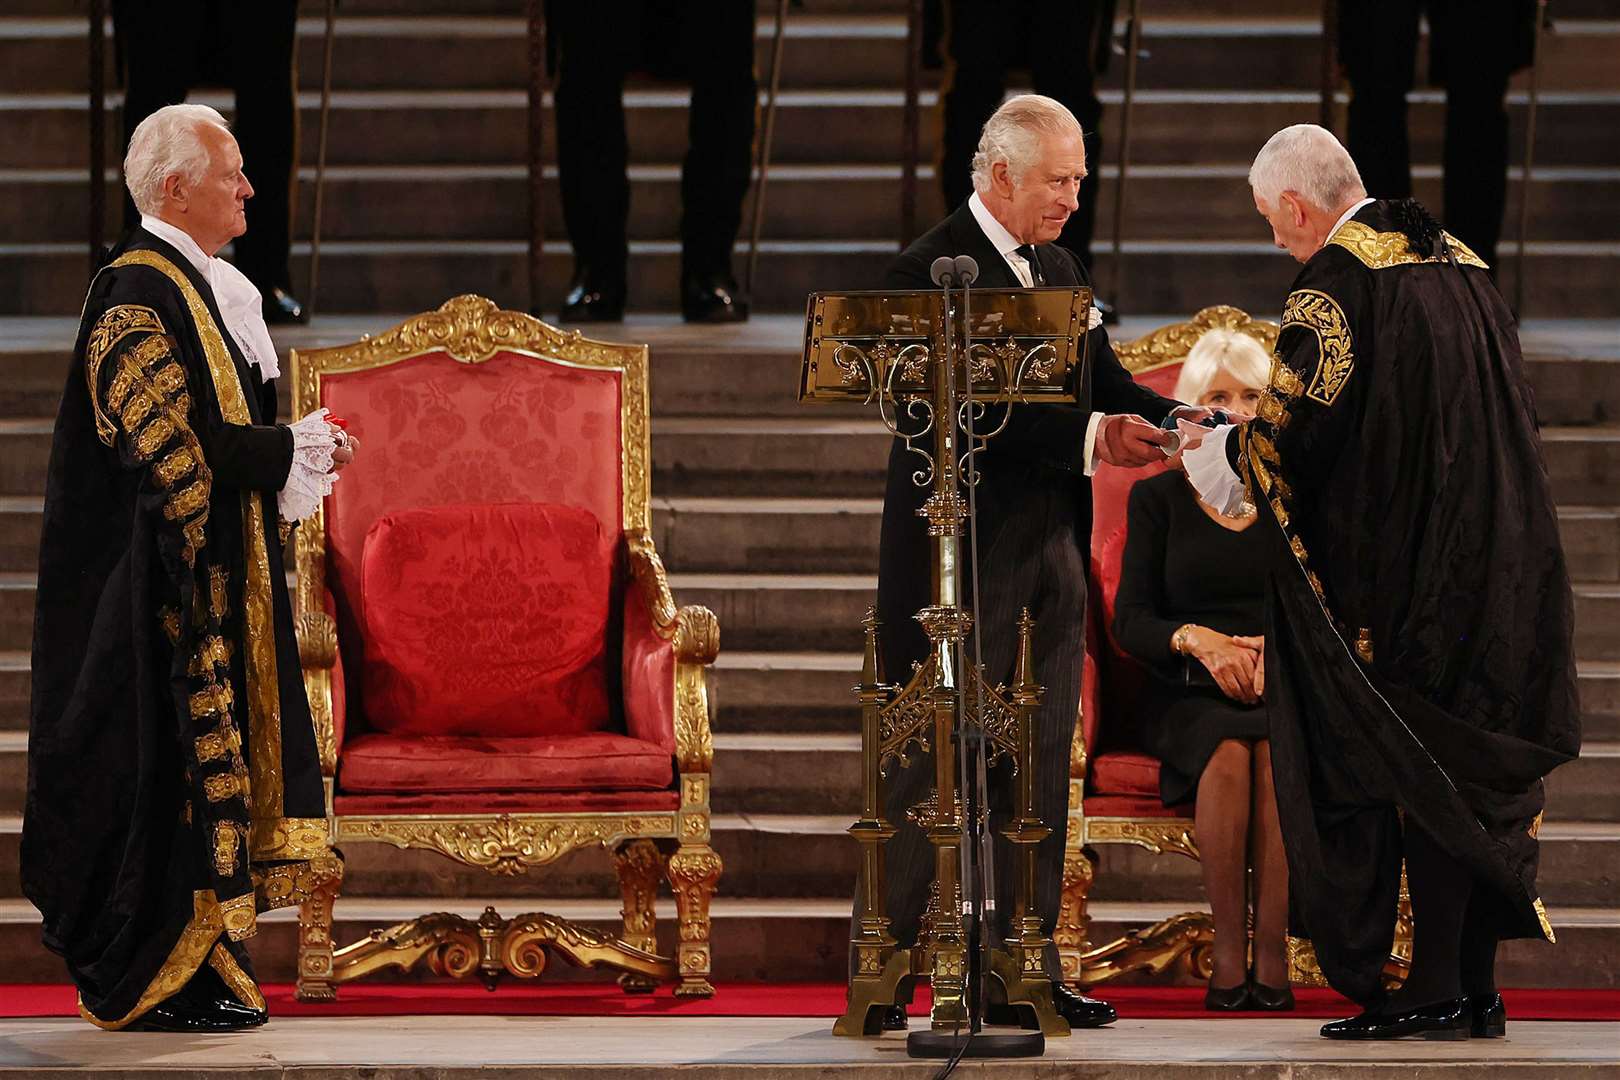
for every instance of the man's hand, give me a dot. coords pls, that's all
(343, 453)
(1192, 413)
(1129, 442)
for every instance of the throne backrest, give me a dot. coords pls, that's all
(1112, 680)
(470, 404)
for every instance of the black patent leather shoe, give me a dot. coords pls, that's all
(1490, 1016)
(1270, 998)
(1227, 999)
(1081, 1011)
(591, 303)
(180, 1014)
(281, 308)
(1452, 1019)
(710, 298)
(894, 1018)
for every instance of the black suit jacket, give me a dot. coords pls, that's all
(1035, 464)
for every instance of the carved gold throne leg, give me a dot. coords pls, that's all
(1073, 931)
(640, 864)
(694, 871)
(315, 974)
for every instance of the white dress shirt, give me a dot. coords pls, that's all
(310, 477)
(1007, 245)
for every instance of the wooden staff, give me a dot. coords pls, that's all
(765, 138)
(1133, 51)
(1529, 158)
(320, 158)
(909, 124)
(537, 130)
(98, 129)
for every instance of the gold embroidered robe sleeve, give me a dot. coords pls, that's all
(143, 409)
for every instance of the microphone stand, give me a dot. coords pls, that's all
(977, 854)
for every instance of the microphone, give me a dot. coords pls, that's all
(967, 268)
(943, 270)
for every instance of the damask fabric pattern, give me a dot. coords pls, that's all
(1419, 629)
(487, 620)
(170, 745)
(440, 432)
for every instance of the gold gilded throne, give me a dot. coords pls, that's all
(496, 667)
(1114, 790)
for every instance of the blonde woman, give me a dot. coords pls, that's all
(1190, 609)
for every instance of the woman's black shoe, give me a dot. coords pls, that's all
(1490, 1016)
(1270, 998)
(1442, 1020)
(894, 1018)
(1227, 999)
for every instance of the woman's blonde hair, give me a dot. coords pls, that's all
(1231, 351)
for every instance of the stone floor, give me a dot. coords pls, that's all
(506, 1048)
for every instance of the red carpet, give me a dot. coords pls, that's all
(756, 999)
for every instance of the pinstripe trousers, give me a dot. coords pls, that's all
(1034, 557)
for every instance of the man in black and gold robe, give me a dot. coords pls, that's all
(174, 787)
(1418, 666)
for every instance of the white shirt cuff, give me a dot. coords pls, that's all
(1091, 442)
(1217, 484)
(311, 477)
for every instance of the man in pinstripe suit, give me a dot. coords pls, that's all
(1034, 507)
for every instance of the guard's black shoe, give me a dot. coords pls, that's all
(281, 307)
(894, 1018)
(1081, 1011)
(1109, 314)
(593, 303)
(712, 298)
(1490, 1016)
(1227, 999)
(180, 1014)
(1270, 998)
(1451, 1019)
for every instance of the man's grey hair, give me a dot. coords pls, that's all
(1307, 160)
(165, 144)
(1014, 132)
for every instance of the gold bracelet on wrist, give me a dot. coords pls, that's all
(1179, 640)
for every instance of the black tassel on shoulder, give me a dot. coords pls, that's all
(1421, 229)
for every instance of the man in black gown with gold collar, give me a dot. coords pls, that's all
(174, 787)
(1419, 669)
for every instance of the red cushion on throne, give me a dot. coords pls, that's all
(435, 764)
(486, 620)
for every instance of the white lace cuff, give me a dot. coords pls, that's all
(1210, 474)
(311, 477)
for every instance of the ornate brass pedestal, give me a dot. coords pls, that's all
(911, 353)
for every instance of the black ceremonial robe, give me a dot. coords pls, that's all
(172, 763)
(1418, 647)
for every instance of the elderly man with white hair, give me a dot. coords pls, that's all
(173, 777)
(1034, 503)
(1419, 670)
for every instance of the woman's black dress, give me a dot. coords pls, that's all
(1181, 567)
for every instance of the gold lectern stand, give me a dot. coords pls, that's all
(910, 353)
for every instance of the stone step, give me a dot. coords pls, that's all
(752, 369)
(1565, 279)
(1169, 126)
(803, 202)
(748, 937)
(798, 856)
(439, 52)
(425, 51)
(810, 455)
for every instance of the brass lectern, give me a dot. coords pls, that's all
(945, 372)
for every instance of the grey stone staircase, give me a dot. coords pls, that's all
(769, 512)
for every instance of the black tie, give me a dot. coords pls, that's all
(1028, 252)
